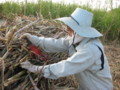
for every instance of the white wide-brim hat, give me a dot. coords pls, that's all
(80, 21)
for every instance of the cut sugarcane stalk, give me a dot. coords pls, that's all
(14, 78)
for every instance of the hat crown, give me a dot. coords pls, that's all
(82, 17)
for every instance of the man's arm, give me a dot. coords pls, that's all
(49, 44)
(77, 63)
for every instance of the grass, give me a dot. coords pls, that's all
(107, 23)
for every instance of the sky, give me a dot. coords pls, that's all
(92, 3)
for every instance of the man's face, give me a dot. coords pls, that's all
(70, 31)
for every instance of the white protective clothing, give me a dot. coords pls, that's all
(84, 62)
(76, 39)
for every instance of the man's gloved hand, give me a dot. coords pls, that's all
(28, 36)
(35, 40)
(30, 67)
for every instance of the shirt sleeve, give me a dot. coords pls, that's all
(51, 44)
(77, 63)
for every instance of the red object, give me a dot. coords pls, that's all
(38, 52)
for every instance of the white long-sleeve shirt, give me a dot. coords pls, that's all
(84, 62)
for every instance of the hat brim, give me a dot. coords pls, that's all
(89, 32)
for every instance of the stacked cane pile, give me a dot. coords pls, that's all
(14, 51)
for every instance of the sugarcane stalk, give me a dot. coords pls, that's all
(14, 78)
(33, 83)
(3, 51)
(25, 27)
(0, 64)
(2, 38)
(17, 64)
(3, 67)
(23, 59)
(23, 84)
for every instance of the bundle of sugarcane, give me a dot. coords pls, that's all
(13, 52)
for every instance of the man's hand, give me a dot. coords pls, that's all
(35, 40)
(30, 67)
(26, 35)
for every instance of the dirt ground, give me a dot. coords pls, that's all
(113, 55)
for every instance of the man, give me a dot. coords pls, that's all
(87, 59)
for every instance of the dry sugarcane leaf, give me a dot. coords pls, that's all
(9, 35)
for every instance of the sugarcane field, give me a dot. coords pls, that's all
(31, 57)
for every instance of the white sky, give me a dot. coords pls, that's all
(93, 3)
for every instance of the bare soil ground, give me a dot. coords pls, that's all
(113, 55)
